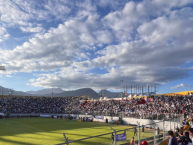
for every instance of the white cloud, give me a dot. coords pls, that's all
(52, 50)
(21, 11)
(143, 42)
(181, 86)
(3, 34)
(58, 8)
(104, 37)
(11, 13)
(125, 22)
(79, 78)
(32, 29)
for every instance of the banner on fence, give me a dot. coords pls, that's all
(44, 115)
(120, 137)
(99, 117)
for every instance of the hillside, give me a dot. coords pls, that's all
(46, 91)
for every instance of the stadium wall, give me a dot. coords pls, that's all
(28, 114)
(147, 122)
(150, 123)
(110, 119)
(38, 114)
(127, 121)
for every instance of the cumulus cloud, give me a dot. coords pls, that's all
(181, 86)
(32, 29)
(11, 13)
(125, 22)
(58, 8)
(141, 42)
(59, 46)
(79, 78)
(3, 34)
(21, 12)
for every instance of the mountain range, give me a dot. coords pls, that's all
(46, 91)
(58, 92)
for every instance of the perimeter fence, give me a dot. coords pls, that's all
(151, 116)
(154, 133)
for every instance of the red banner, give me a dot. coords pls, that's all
(142, 101)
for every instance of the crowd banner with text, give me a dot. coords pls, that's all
(120, 137)
(99, 117)
(46, 116)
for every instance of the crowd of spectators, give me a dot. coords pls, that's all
(5, 103)
(144, 108)
(39, 104)
(183, 135)
(155, 106)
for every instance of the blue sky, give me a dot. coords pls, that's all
(96, 43)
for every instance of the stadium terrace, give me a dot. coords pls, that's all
(149, 107)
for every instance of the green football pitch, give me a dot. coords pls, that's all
(48, 131)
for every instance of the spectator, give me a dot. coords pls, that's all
(112, 137)
(191, 123)
(143, 129)
(135, 131)
(180, 136)
(158, 107)
(132, 142)
(184, 122)
(144, 143)
(191, 134)
(172, 140)
(186, 129)
(158, 132)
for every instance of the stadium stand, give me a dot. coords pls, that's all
(154, 107)
(133, 107)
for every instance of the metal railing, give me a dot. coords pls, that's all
(154, 133)
(152, 116)
(67, 142)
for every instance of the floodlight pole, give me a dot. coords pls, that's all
(131, 91)
(2, 90)
(137, 89)
(127, 89)
(3, 69)
(52, 91)
(121, 87)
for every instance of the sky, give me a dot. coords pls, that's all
(74, 44)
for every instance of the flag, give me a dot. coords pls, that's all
(126, 92)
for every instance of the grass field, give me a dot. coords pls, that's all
(48, 131)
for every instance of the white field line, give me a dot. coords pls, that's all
(29, 126)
